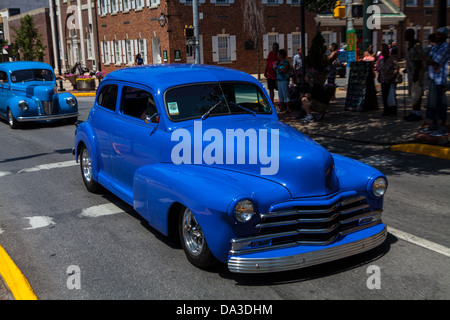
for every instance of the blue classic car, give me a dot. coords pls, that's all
(28, 92)
(200, 153)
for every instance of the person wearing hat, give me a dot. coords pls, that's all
(437, 72)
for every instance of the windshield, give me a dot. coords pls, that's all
(212, 99)
(32, 75)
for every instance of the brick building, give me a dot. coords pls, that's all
(128, 27)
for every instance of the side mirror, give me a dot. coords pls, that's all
(148, 119)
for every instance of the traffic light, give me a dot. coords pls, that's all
(357, 11)
(189, 31)
(339, 11)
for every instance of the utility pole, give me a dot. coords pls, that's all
(303, 42)
(196, 31)
(367, 33)
(349, 19)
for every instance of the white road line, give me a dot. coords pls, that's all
(101, 210)
(420, 241)
(39, 222)
(4, 173)
(49, 166)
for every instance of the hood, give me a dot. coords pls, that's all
(44, 91)
(260, 147)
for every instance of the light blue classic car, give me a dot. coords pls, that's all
(28, 92)
(200, 153)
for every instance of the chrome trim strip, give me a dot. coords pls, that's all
(275, 264)
(265, 237)
(294, 212)
(46, 118)
(360, 216)
(353, 209)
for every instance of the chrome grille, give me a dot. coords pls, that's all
(48, 107)
(308, 225)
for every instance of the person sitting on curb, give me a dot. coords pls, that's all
(315, 99)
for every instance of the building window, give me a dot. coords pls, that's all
(224, 48)
(126, 5)
(107, 49)
(103, 7)
(411, 2)
(118, 52)
(294, 2)
(272, 1)
(428, 3)
(89, 46)
(114, 6)
(129, 51)
(142, 49)
(139, 4)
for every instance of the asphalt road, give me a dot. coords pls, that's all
(52, 227)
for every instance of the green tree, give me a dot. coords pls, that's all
(28, 40)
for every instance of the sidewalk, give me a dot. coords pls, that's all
(372, 128)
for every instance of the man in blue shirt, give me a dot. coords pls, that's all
(437, 61)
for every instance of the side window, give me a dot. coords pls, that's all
(138, 103)
(107, 97)
(3, 76)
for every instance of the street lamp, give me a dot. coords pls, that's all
(162, 20)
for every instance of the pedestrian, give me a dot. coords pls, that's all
(270, 72)
(394, 49)
(426, 53)
(138, 61)
(297, 64)
(314, 99)
(282, 70)
(437, 62)
(333, 62)
(415, 71)
(387, 75)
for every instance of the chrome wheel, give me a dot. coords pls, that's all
(192, 234)
(10, 118)
(86, 166)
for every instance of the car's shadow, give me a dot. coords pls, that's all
(33, 125)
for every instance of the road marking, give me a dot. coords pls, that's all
(14, 278)
(39, 222)
(49, 166)
(4, 173)
(101, 210)
(420, 241)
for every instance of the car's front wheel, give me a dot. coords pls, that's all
(86, 171)
(193, 241)
(13, 123)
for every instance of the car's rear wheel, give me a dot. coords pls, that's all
(86, 171)
(193, 241)
(13, 123)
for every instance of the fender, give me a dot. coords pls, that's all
(64, 107)
(209, 193)
(13, 104)
(85, 134)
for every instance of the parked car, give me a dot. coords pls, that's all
(341, 68)
(28, 92)
(199, 152)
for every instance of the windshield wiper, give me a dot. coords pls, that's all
(210, 109)
(243, 108)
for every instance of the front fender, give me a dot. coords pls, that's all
(208, 192)
(85, 135)
(62, 102)
(13, 105)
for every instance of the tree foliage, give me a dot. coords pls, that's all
(28, 40)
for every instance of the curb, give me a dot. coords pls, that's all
(424, 149)
(14, 278)
(84, 94)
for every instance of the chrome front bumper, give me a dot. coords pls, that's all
(278, 262)
(48, 118)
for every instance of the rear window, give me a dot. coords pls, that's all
(107, 97)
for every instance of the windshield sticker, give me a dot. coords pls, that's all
(13, 78)
(173, 108)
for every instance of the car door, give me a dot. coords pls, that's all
(134, 137)
(5, 86)
(103, 114)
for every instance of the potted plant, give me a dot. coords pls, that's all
(100, 75)
(85, 83)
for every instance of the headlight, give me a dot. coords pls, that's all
(244, 210)
(379, 187)
(71, 102)
(23, 105)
